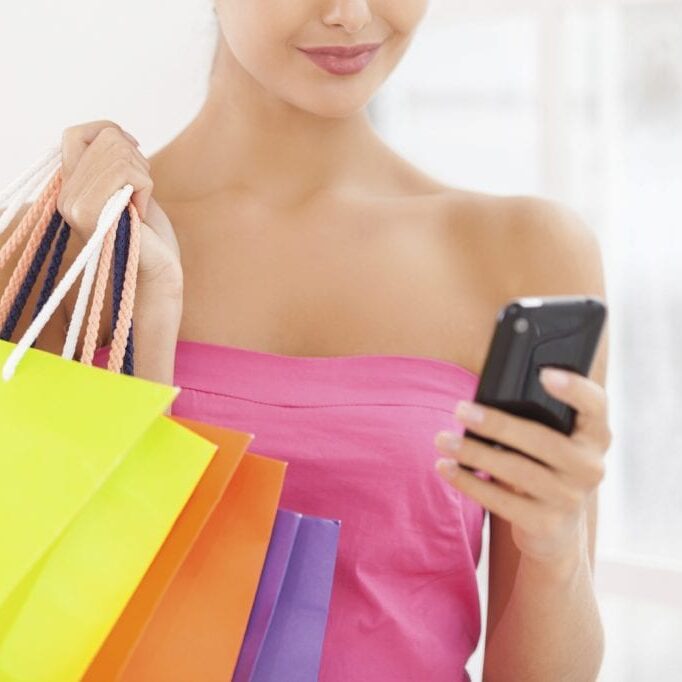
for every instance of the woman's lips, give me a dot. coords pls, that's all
(342, 61)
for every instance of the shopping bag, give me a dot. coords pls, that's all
(192, 625)
(269, 588)
(91, 481)
(198, 627)
(285, 639)
(111, 658)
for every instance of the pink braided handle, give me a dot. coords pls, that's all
(45, 207)
(36, 210)
(90, 341)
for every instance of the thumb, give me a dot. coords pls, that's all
(160, 224)
(156, 217)
(141, 200)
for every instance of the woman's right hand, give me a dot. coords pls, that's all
(98, 159)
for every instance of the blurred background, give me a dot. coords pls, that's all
(577, 101)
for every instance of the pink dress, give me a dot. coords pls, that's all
(358, 434)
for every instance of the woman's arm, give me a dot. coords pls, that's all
(543, 620)
(156, 316)
(550, 628)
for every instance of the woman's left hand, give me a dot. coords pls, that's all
(544, 500)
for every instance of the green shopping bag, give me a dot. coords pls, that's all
(92, 477)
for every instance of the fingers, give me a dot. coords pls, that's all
(512, 470)
(590, 401)
(498, 500)
(75, 140)
(94, 192)
(577, 458)
(99, 158)
(531, 437)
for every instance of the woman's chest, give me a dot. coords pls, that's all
(339, 284)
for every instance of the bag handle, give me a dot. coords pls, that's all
(109, 218)
(23, 277)
(21, 188)
(126, 262)
(124, 236)
(90, 341)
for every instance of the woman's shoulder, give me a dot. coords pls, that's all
(521, 244)
(506, 216)
(518, 214)
(527, 241)
(544, 235)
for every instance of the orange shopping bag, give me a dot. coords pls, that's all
(188, 618)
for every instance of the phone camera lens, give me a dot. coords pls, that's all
(521, 325)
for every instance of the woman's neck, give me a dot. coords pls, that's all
(247, 138)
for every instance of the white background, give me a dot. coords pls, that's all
(579, 101)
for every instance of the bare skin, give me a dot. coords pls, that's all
(382, 259)
(342, 275)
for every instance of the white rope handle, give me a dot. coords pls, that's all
(112, 210)
(38, 175)
(45, 166)
(43, 161)
(81, 303)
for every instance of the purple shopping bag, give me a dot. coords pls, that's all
(284, 637)
(269, 587)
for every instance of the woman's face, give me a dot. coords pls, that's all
(265, 36)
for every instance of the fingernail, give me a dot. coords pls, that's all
(447, 440)
(553, 377)
(449, 467)
(131, 138)
(467, 410)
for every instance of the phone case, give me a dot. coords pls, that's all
(531, 333)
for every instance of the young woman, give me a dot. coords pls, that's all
(300, 280)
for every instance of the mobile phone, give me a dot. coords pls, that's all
(531, 333)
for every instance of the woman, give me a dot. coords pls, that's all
(303, 282)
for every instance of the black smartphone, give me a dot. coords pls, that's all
(531, 333)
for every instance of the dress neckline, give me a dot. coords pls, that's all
(317, 380)
(324, 359)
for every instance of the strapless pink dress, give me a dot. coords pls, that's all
(358, 434)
